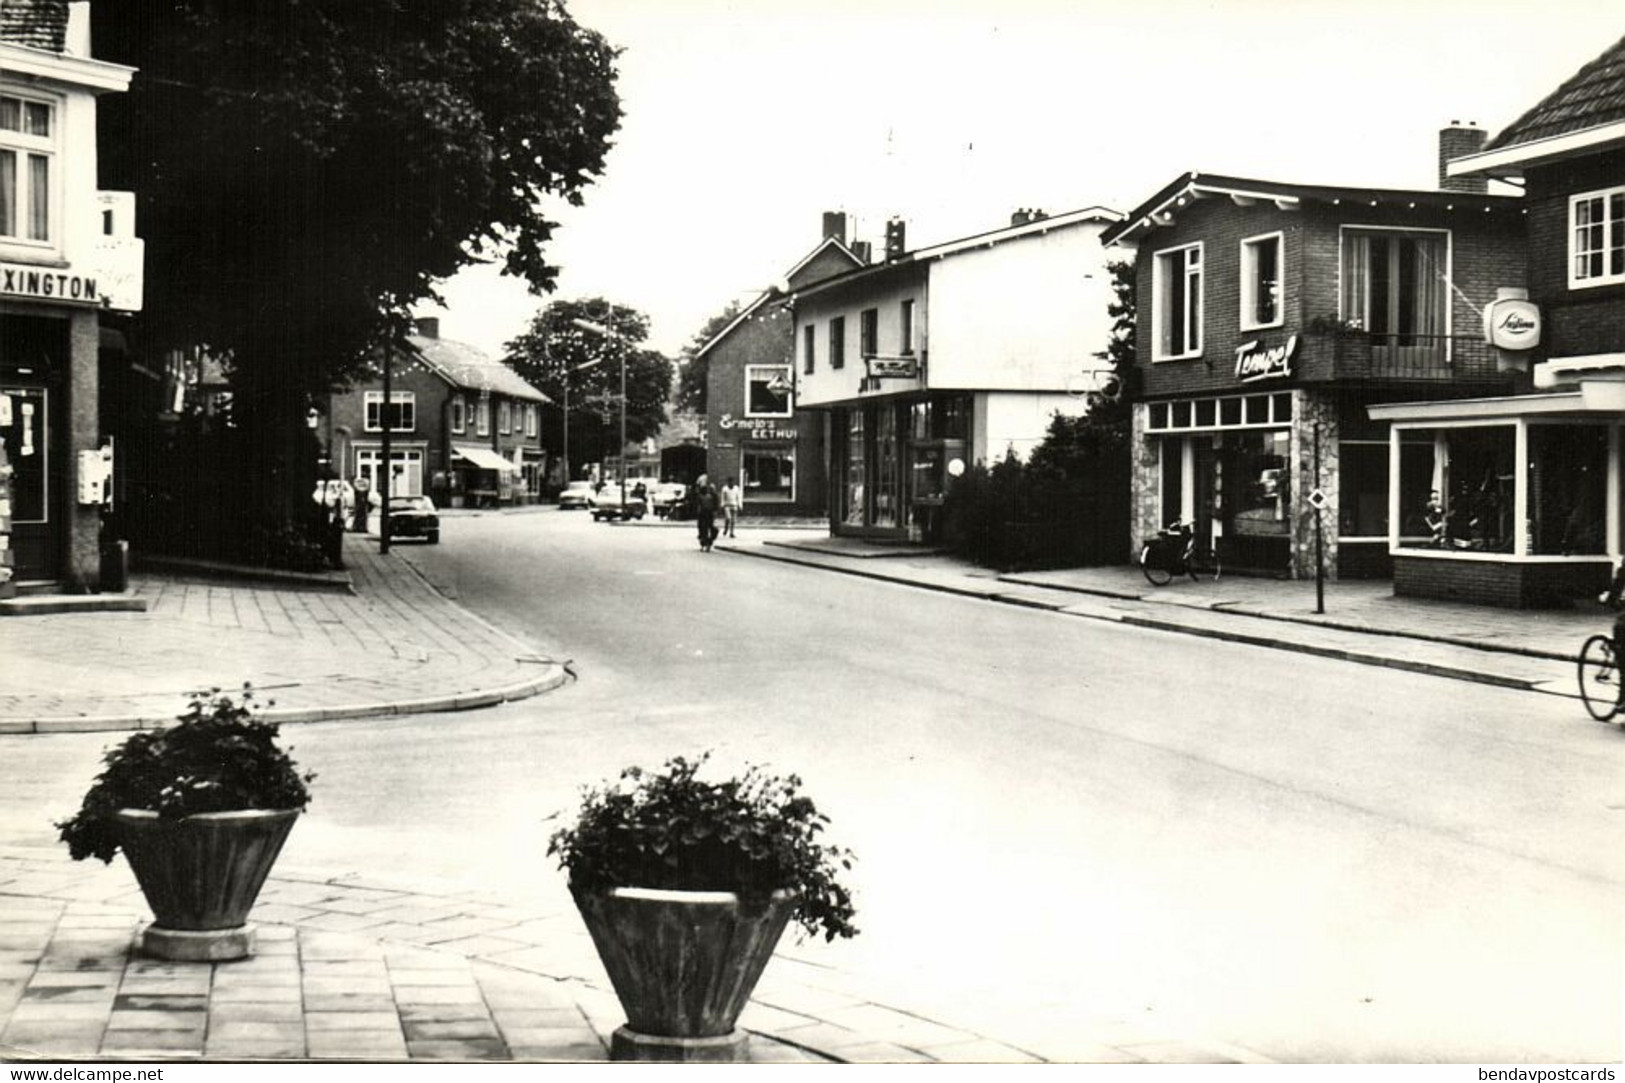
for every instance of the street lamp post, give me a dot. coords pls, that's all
(609, 332)
(567, 370)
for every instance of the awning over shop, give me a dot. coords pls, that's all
(1593, 398)
(483, 457)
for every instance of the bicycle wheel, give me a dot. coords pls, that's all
(1599, 678)
(1155, 567)
(1204, 564)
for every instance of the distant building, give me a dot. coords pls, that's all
(945, 356)
(464, 429)
(67, 253)
(755, 431)
(1553, 451)
(1270, 316)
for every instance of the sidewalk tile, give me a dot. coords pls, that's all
(894, 1026)
(349, 1002)
(448, 976)
(357, 1044)
(1179, 1053)
(328, 1021)
(257, 994)
(255, 1048)
(472, 1049)
(440, 1030)
(981, 1051)
(255, 1012)
(881, 1053)
(445, 1013)
(143, 1042)
(156, 1020)
(562, 1054)
(438, 994)
(537, 1018)
(126, 1001)
(350, 985)
(579, 1034)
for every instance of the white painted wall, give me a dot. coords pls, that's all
(886, 295)
(1014, 420)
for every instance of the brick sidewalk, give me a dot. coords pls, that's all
(395, 646)
(380, 970)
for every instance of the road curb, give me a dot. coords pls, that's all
(1228, 635)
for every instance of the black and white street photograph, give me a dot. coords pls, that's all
(547, 533)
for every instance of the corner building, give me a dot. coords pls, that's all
(1271, 316)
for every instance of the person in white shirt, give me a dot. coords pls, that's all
(733, 498)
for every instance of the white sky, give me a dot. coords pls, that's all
(745, 119)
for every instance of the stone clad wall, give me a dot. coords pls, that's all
(8, 588)
(1308, 408)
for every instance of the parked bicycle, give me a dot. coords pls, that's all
(1599, 667)
(1176, 551)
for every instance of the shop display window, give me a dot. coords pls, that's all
(852, 491)
(886, 502)
(1258, 490)
(1464, 499)
(1362, 488)
(1206, 413)
(1568, 490)
(1230, 411)
(768, 474)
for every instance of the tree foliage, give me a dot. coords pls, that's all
(1121, 348)
(693, 370)
(552, 353)
(302, 166)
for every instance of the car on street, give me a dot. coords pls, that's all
(414, 517)
(665, 496)
(607, 505)
(577, 494)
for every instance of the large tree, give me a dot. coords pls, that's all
(302, 168)
(692, 370)
(556, 352)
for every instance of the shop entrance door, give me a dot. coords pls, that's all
(37, 476)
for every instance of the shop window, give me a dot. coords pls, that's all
(1394, 288)
(1182, 414)
(27, 159)
(768, 473)
(1206, 413)
(1158, 415)
(837, 342)
(1362, 489)
(1177, 313)
(402, 411)
(768, 391)
(852, 491)
(459, 414)
(1258, 483)
(1230, 411)
(885, 504)
(1597, 238)
(1258, 410)
(906, 334)
(1261, 282)
(1283, 408)
(869, 332)
(808, 341)
(1568, 490)
(1173, 480)
(1463, 499)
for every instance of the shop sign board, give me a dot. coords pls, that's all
(1512, 324)
(1257, 362)
(893, 368)
(756, 428)
(56, 284)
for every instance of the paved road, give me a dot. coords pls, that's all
(1060, 823)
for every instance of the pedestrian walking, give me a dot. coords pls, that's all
(706, 502)
(733, 499)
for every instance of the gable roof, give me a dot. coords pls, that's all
(823, 246)
(773, 293)
(36, 24)
(465, 367)
(1591, 97)
(1161, 208)
(762, 298)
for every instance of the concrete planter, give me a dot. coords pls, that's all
(201, 875)
(683, 964)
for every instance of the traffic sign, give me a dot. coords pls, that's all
(1318, 499)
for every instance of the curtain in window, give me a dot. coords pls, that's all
(8, 193)
(1430, 286)
(39, 198)
(1356, 278)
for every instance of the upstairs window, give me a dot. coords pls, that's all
(869, 332)
(459, 414)
(808, 341)
(402, 411)
(837, 342)
(482, 417)
(504, 417)
(530, 420)
(1177, 312)
(1394, 286)
(1261, 282)
(1597, 238)
(27, 156)
(767, 391)
(906, 335)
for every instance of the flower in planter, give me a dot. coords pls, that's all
(670, 830)
(217, 757)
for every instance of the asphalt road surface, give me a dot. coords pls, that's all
(1058, 821)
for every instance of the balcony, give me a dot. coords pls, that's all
(1362, 356)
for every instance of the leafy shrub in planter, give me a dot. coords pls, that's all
(750, 835)
(216, 758)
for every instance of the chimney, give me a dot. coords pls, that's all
(1458, 141)
(834, 226)
(1021, 217)
(861, 249)
(895, 243)
(426, 326)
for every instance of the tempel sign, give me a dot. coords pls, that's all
(1265, 363)
(48, 284)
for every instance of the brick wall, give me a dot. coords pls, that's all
(1487, 582)
(1577, 322)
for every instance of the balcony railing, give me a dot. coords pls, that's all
(1428, 358)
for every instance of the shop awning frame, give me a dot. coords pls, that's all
(483, 457)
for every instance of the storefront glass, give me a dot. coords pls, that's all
(1568, 489)
(1259, 491)
(886, 463)
(1457, 488)
(768, 473)
(1362, 489)
(852, 491)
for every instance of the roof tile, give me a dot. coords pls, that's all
(38, 24)
(1593, 96)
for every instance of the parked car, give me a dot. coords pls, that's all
(665, 496)
(414, 517)
(577, 494)
(607, 505)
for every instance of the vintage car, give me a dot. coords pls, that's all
(577, 494)
(607, 505)
(414, 517)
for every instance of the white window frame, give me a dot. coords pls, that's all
(459, 415)
(789, 374)
(782, 450)
(1578, 281)
(504, 417)
(482, 417)
(409, 461)
(1195, 299)
(26, 147)
(373, 405)
(530, 419)
(1250, 284)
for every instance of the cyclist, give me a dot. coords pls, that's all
(1612, 598)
